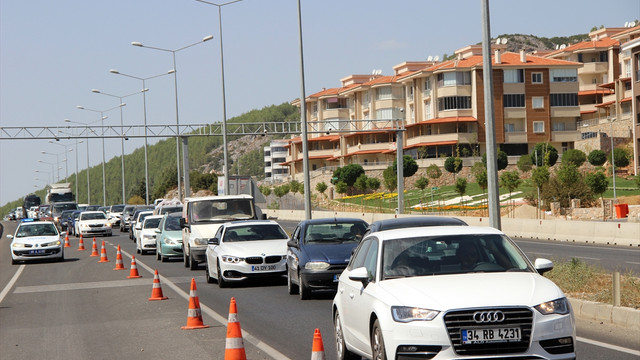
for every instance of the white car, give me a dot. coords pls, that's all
(91, 223)
(146, 239)
(449, 292)
(35, 240)
(246, 249)
(137, 224)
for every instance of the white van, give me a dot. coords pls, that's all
(201, 218)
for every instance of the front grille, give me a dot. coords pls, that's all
(558, 346)
(456, 321)
(272, 259)
(253, 260)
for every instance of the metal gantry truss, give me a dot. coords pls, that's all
(189, 130)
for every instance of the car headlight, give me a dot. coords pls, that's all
(559, 306)
(200, 241)
(107, 224)
(232, 259)
(316, 265)
(408, 314)
(148, 236)
(53, 243)
(18, 245)
(169, 241)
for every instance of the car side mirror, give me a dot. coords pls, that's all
(213, 241)
(543, 265)
(293, 243)
(10, 236)
(263, 217)
(360, 274)
(183, 223)
(158, 231)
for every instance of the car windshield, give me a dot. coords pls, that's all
(169, 209)
(58, 208)
(334, 232)
(47, 229)
(152, 223)
(454, 254)
(93, 216)
(227, 209)
(254, 232)
(117, 208)
(172, 224)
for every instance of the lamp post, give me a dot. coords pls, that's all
(124, 199)
(66, 150)
(175, 82)
(102, 118)
(144, 105)
(58, 167)
(45, 172)
(225, 150)
(87, 142)
(52, 171)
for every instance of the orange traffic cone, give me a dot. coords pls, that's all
(194, 315)
(81, 244)
(94, 248)
(317, 351)
(119, 264)
(156, 291)
(133, 273)
(234, 348)
(66, 241)
(103, 253)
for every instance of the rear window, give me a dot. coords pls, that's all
(152, 223)
(93, 216)
(334, 232)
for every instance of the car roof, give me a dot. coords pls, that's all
(435, 231)
(93, 212)
(248, 222)
(414, 221)
(153, 217)
(330, 220)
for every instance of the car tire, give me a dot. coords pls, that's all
(14, 262)
(304, 291)
(193, 264)
(207, 274)
(61, 259)
(377, 342)
(158, 255)
(291, 287)
(138, 250)
(341, 348)
(221, 282)
(185, 258)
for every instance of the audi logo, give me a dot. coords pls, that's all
(482, 317)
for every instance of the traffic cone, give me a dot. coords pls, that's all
(156, 291)
(133, 273)
(81, 244)
(194, 315)
(103, 253)
(234, 346)
(66, 241)
(94, 248)
(119, 264)
(317, 351)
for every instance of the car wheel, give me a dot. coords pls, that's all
(61, 259)
(377, 342)
(14, 262)
(207, 274)
(341, 348)
(221, 282)
(304, 292)
(158, 256)
(291, 287)
(185, 258)
(193, 264)
(138, 250)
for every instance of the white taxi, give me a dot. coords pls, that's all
(36, 240)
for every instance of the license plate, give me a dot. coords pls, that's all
(35, 252)
(263, 267)
(490, 335)
(336, 278)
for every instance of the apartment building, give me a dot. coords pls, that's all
(441, 106)
(274, 155)
(630, 58)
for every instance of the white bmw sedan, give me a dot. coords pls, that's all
(447, 293)
(246, 249)
(36, 240)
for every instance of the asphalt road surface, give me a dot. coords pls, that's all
(83, 309)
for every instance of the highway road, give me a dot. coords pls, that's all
(83, 309)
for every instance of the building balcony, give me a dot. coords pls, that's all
(565, 111)
(565, 136)
(465, 138)
(593, 68)
(383, 146)
(324, 152)
(339, 113)
(515, 137)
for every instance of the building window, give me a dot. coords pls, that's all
(604, 56)
(564, 75)
(389, 113)
(514, 76)
(366, 99)
(336, 103)
(509, 128)
(427, 84)
(536, 78)
(384, 93)
(427, 110)
(570, 99)
(537, 102)
(513, 100)
(410, 92)
(538, 126)
(454, 78)
(454, 102)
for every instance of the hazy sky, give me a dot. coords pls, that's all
(52, 53)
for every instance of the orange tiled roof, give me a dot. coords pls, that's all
(605, 104)
(603, 43)
(444, 120)
(382, 131)
(506, 59)
(587, 112)
(452, 142)
(595, 92)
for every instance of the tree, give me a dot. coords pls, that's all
(453, 164)
(510, 180)
(597, 158)
(461, 188)
(433, 171)
(525, 164)
(265, 190)
(409, 166)
(281, 191)
(597, 182)
(574, 156)
(501, 158)
(479, 171)
(347, 174)
(373, 183)
(568, 183)
(294, 187)
(361, 183)
(321, 187)
(422, 184)
(544, 154)
(390, 178)
(341, 187)
(621, 157)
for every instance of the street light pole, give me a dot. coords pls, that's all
(66, 150)
(175, 81)
(225, 149)
(57, 163)
(144, 105)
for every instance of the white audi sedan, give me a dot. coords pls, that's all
(91, 223)
(446, 293)
(246, 249)
(36, 240)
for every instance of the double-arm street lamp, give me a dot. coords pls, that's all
(175, 81)
(102, 118)
(124, 199)
(144, 105)
(57, 155)
(46, 172)
(52, 170)
(225, 150)
(66, 150)
(87, 142)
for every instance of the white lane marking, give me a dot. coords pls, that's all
(632, 262)
(13, 280)
(275, 354)
(589, 258)
(608, 346)
(574, 244)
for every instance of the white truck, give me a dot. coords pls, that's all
(59, 192)
(201, 218)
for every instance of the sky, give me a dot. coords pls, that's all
(53, 53)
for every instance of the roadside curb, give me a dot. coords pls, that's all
(616, 315)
